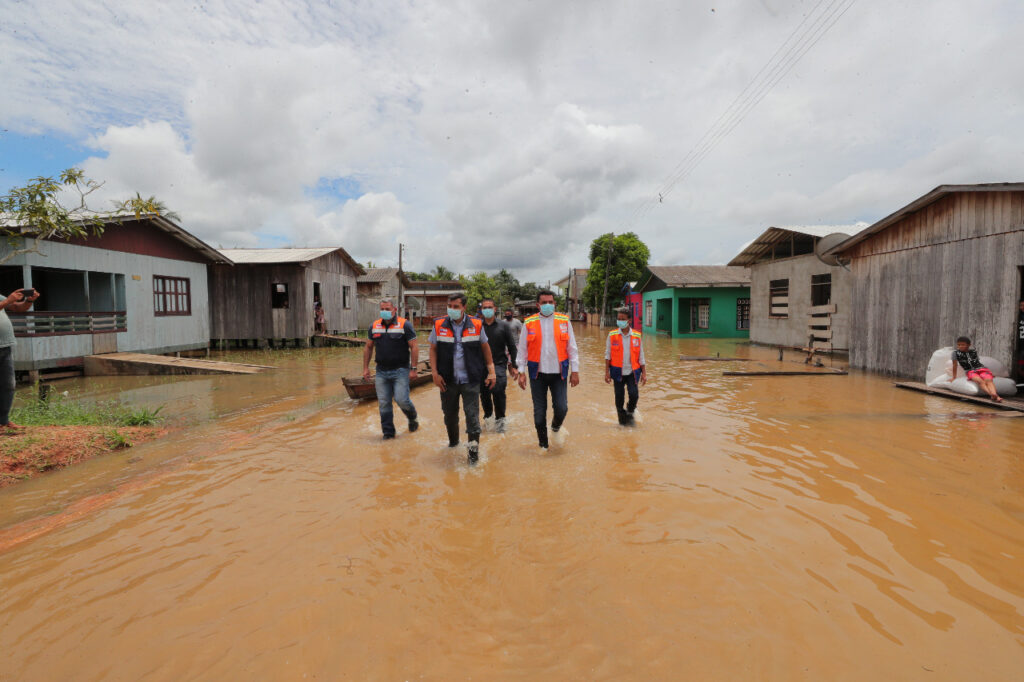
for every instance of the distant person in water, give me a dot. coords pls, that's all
(625, 366)
(966, 357)
(394, 341)
(19, 301)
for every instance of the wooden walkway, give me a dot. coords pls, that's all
(134, 364)
(1013, 403)
(343, 340)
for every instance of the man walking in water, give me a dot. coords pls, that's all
(625, 365)
(397, 354)
(460, 359)
(502, 341)
(547, 350)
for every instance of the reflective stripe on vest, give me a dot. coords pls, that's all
(535, 342)
(397, 329)
(615, 354)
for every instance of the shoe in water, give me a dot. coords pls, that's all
(474, 453)
(388, 436)
(413, 425)
(499, 425)
(453, 443)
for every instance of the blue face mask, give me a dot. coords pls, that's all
(385, 314)
(622, 323)
(454, 315)
(547, 309)
(487, 312)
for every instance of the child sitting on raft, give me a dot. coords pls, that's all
(967, 357)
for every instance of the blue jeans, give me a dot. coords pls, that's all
(559, 390)
(393, 383)
(7, 383)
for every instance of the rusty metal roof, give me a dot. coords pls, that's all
(759, 248)
(696, 276)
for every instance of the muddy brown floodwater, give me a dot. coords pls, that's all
(819, 528)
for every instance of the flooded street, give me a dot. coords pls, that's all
(771, 528)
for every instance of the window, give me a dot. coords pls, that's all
(700, 314)
(778, 298)
(346, 295)
(171, 296)
(279, 295)
(648, 313)
(821, 289)
(743, 313)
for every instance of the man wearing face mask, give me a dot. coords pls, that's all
(625, 365)
(394, 341)
(547, 349)
(516, 325)
(502, 341)
(460, 360)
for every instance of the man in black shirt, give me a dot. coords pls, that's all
(502, 339)
(397, 354)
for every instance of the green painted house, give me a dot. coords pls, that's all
(687, 301)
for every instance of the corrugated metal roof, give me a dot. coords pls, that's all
(762, 246)
(377, 275)
(698, 275)
(277, 255)
(921, 202)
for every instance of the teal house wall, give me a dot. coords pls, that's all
(679, 300)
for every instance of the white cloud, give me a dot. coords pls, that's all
(489, 134)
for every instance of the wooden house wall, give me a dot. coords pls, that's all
(950, 269)
(241, 305)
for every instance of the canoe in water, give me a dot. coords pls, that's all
(359, 388)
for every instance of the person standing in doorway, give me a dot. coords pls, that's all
(394, 341)
(460, 360)
(502, 341)
(547, 353)
(319, 318)
(625, 365)
(516, 325)
(19, 301)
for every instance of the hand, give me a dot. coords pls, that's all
(33, 296)
(522, 380)
(574, 379)
(17, 296)
(439, 382)
(412, 374)
(643, 377)
(366, 373)
(490, 380)
(607, 377)
(514, 373)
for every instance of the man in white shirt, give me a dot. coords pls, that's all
(547, 354)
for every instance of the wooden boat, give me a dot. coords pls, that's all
(359, 388)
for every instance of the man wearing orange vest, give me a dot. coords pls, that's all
(460, 360)
(547, 353)
(624, 355)
(394, 341)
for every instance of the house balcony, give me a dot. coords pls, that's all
(57, 323)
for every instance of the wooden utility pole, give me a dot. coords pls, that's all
(607, 266)
(401, 286)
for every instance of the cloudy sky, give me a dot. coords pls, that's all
(510, 133)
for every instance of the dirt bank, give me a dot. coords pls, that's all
(37, 449)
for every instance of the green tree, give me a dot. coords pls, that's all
(629, 257)
(528, 291)
(478, 286)
(442, 273)
(39, 209)
(508, 288)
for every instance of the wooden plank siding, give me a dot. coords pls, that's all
(950, 269)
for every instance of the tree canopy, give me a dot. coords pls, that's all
(39, 209)
(629, 257)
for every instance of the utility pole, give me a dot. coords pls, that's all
(607, 266)
(401, 287)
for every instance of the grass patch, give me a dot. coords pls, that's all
(60, 411)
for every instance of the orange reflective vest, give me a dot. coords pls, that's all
(397, 328)
(615, 340)
(535, 341)
(472, 349)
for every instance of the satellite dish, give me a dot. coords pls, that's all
(826, 244)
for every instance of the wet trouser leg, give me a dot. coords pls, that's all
(559, 401)
(450, 408)
(486, 401)
(539, 388)
(384, 382)
(471, 408)
(497, 393)
(401, 388)
(627, 385)
(7, 384)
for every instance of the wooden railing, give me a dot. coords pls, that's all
(54, 323)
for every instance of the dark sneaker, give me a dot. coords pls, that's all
(474, 453)
(413, 425)
(388, 436)
(453, 443)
